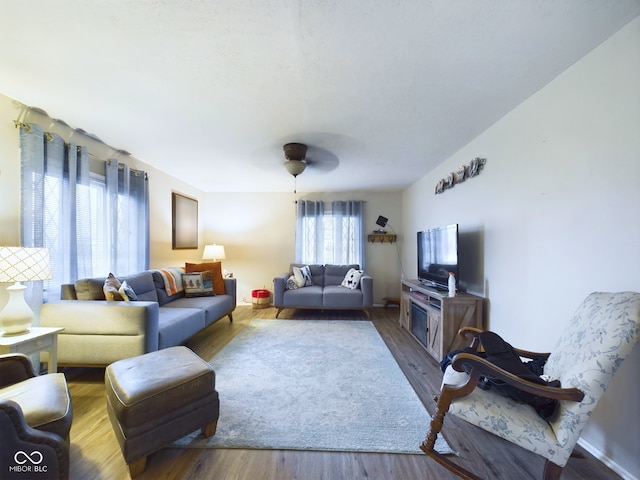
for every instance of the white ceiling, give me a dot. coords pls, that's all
(208, 91)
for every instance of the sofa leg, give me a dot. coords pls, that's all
(231, 318)
(367, 313)
(278, 312)
(137, 466)
(209, 429)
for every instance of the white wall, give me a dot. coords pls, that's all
(161, 186)
(9, 173)
(554, 216)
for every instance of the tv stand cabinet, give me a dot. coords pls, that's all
(433, 318)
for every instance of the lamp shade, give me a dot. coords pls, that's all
(24, 264)
(213, 252)
(20, 264)
(295, 167)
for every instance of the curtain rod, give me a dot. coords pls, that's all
(48, 136)
(24, 116)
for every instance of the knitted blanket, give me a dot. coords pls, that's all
(172, 279)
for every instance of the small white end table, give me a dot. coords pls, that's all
(36, 339)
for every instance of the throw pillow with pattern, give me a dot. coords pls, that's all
(111, 288)
(198, 284)
(302, 276)
(291, 283)
(127, 293)
(352, 278)
(216, 269)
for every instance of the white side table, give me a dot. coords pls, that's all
(37, 339)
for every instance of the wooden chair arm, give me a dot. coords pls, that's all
(472, 333)
(480, 366)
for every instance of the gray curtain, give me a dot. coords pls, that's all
(130, 220)
(330, 237)
(309, 232)
(88, 231)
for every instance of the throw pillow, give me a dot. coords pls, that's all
(306, 273)
(352, 278)
(302, 276)
(215, 267)
(111, 288)
(127, 293)
(198, 284)
(291, 283)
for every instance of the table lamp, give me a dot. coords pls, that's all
(20, 264)
(213, 252)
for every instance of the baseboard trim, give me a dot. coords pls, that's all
(597, 453)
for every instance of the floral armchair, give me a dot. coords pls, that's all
(599, 336)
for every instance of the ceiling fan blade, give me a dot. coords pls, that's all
(321, 160)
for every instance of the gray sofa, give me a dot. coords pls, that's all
(98, 332)
(326, 293)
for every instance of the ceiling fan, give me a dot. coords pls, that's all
(299, 156)
(295, 154)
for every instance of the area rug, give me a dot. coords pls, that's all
(314, 385)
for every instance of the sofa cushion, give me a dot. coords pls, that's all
(90, 289)
(215, 267)
(142, 284)
(47, 410)
(304, 297)
(334, 274)
(177, 325)
(336, 296)
(214, 307)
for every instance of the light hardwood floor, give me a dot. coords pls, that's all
(95, 453)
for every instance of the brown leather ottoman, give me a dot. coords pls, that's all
(157, 398)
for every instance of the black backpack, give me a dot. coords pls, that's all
(502, 354)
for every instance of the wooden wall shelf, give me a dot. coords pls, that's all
(382, 237)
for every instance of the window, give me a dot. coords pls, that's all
(330, 236)
(92, 215)
(100, 260)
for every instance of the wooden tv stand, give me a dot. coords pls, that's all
(433, 318)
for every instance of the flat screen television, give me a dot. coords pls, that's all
(437, 256)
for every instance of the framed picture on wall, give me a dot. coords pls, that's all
(184, 214)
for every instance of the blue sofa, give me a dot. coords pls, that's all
(326, 293)
(98, 332)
